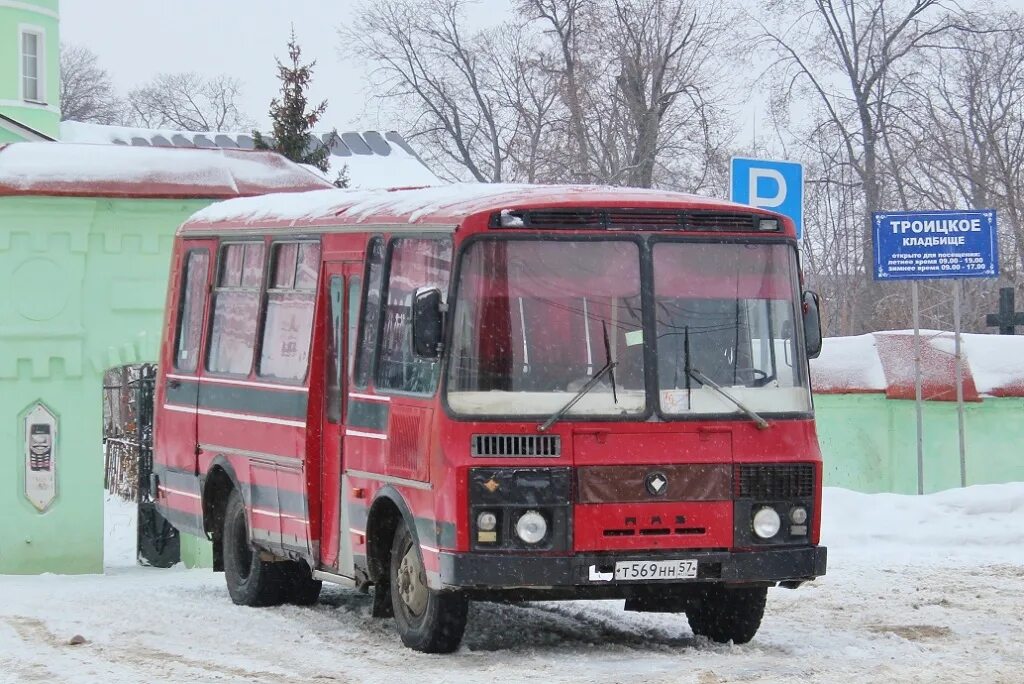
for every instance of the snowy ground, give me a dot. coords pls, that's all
(926, 589)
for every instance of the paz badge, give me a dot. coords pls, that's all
(656, 483)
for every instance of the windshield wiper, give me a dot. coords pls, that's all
(607, 369)
(762, 424)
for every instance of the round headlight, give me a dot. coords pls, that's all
(531, 527)
(486, 521)
(767, 523)
(798, 515)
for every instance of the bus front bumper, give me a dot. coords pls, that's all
(510, 571)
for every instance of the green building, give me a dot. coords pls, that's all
(86, 228)
(85, 243)
(29, 70)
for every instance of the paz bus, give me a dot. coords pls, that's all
(493, 392)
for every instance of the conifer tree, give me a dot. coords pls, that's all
(293, 118)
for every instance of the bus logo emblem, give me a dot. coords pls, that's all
(657, 483)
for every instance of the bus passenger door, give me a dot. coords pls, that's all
(343, 283)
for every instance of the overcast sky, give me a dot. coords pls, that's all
(135, 40)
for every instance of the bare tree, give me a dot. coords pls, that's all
(965, 124)
(86, 92)
(849, 57)
(667, 54)
(189, 101)
(570, 90)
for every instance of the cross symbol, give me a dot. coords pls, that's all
(1007, 319)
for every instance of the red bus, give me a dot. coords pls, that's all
(493, 392)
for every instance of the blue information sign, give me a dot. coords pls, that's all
(770, 184)
(935, 244)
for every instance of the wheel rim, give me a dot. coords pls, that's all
(412, 586)
(242, 551)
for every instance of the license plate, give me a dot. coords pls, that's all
(656, 570)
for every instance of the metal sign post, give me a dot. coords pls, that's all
(936, 244)
(918, 402)
(959, 383)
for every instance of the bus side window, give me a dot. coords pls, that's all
(236, 303)
(336, 356)
(288, 321)
(355, 285)
(190, 311)
(415, 263)
(371, 312)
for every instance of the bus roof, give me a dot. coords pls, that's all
(84, 170)
(446, 205)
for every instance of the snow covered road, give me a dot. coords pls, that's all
(926, 589)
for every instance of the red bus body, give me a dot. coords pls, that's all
(328, 467)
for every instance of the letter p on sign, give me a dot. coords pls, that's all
(770, 184)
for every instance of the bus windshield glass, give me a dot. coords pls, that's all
(530, 324)
(727, 312)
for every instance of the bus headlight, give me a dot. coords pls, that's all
(486, 521)
(532, 527)
(767, 522)
(798, 515)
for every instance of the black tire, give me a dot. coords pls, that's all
(723, 614)
(251, 581)
(300, 587)
(428, 621)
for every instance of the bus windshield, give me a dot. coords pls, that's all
(727, 313)
(530, 320)
(529, 328)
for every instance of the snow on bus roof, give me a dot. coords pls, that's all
(78, 169)
(445, 203)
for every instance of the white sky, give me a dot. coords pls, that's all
(137, 39)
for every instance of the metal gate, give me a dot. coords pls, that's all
(128, 458)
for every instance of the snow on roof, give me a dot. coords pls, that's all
(370, 159)
(993, 365)
(70, 169)
(443, 204)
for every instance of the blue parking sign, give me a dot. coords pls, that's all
(770, 184)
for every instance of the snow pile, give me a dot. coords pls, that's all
(848, 364)
(86, 169)
(119, 532)
(995, 363)
(989, 519)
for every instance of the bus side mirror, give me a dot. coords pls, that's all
(427, 322)
(812, 324)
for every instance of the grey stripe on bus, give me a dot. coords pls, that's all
(239, 398)
(372, 415)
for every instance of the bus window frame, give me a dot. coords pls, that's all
(222, 244)
(646, 241)
(180, 306)
(385, 290)
(265, 291)
(371, 371)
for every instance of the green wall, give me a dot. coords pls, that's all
(44, 118)
(869, 443)
(83, 284)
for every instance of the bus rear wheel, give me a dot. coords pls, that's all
(428, 621)
(724, 614)
(251, 581)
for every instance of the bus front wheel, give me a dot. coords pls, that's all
(725, 614)
(428, 621)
